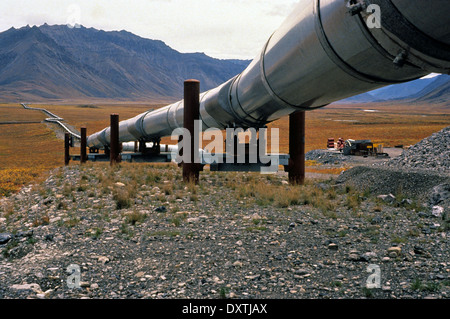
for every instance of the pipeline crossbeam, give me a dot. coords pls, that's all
(325, 51)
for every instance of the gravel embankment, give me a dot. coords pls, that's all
(431, 154)
(422, 171)
(424, 185)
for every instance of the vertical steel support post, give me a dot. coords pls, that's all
(191, 172)
(297, 148)
(66, 149)
(114, 153)
(83, 142)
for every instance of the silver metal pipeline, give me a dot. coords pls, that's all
(325, 51)
(53, 119)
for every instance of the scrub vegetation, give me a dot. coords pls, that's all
(29, 150)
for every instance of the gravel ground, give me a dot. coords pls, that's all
(421, 184)
(136, 231)
(327, 157)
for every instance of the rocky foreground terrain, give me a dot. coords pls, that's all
(137, 231)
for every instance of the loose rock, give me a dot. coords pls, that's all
(437, 211)
(5, 238)
(394, 251)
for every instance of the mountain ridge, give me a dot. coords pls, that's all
(434, 90)
(57, 62)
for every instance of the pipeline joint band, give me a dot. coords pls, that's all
(234, 85)
(332, 54)
(266, 83)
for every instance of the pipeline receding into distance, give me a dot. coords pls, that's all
(325, 51)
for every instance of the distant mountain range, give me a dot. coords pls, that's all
(57, 62)
(430, 90)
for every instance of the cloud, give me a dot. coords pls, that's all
(281, 10)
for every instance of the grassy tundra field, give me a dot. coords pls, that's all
(30, 149)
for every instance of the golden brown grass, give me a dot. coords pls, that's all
(315, 167)
(29, 150)
(392, 125)
(15, 112)
(253, 189)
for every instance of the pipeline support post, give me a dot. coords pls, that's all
(191, 170)
(114, 151)
(66, 149)
(297, 148)
(83, 145)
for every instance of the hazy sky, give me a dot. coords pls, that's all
(219, 28)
